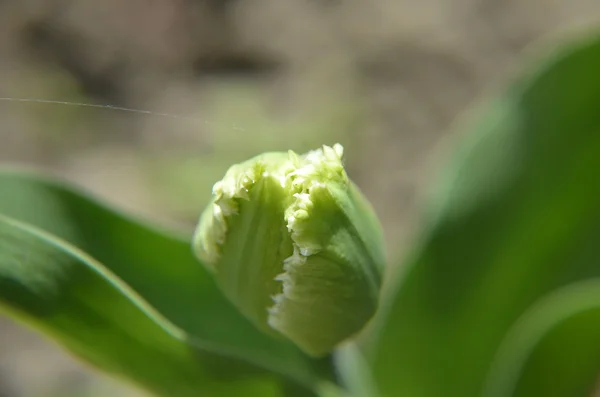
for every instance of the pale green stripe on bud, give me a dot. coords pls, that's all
(295, 246)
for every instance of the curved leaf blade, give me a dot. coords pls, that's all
(66, 294)
(515, 216)
(559, 336)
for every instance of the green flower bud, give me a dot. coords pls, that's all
(295, 246)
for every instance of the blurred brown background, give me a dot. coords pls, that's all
(384, 77)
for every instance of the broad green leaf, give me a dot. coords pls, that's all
(554, 349)
(158, 267)
(516, 214)
(61, 291)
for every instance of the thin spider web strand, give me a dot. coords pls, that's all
(116, 108)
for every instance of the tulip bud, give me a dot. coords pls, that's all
(295, 246)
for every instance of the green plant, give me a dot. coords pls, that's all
(499, 297)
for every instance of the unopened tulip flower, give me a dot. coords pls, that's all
(295, 246)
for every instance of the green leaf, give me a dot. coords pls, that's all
(554, 349)
(515, 216)
(66, 294)
(158, 267)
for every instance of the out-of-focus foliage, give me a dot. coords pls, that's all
(560, 334)
(514, 217)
